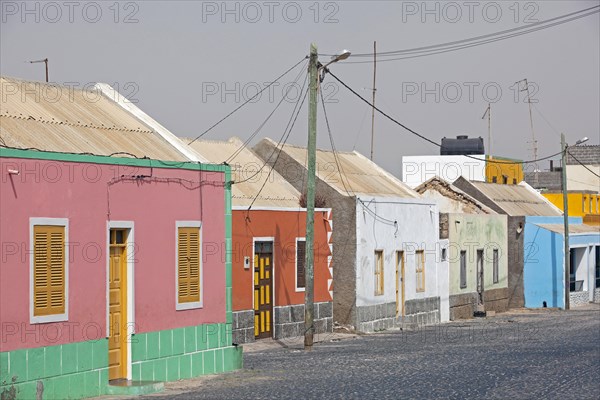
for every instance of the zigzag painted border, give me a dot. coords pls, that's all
(329, 227)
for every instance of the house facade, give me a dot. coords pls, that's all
(386, 248)
(544, 273)
(109, 281)
(477, 251)
(269, 229)
(518, 203)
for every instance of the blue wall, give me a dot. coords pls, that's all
(543, 274)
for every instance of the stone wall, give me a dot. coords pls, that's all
(383, 316)
(579, 298)
(243, 326)
(462, 306)
(496, 300)
(289, 320)
(422, 311)
(376, 317)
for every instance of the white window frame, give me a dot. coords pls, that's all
(40, 319)
(196, 304)
(298, 239)
(130, 252)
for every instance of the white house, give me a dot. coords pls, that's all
(387, 265)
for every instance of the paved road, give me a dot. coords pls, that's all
(522, 355)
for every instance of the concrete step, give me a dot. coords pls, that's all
(123, 387)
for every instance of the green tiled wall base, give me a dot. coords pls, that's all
(68, 371)
(184, 353)
(76, 370)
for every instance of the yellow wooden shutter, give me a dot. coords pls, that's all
(49, 270)
(188, 268)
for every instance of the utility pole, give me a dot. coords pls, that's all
(563, 146)
(309, 305)
(45, 60)
(374, 90)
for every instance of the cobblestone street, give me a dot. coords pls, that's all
(519, 355)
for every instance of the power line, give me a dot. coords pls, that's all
(477, 40)
(247, 101)
(580, 163)
(335, 155)
(279, 153)
(283, 137)
(426, 138)
(247, 141)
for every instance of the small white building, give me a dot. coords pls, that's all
(387, 265)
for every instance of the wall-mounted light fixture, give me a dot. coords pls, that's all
(13, 172)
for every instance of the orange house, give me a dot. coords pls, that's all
(268, 242)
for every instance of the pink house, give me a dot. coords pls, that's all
(114, 270)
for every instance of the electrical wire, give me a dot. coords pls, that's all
(429, 140)
(247, 141)
(283, 137)
(278, 154)
(582, 164)
(247, 101)
(335, 155)
(477, 40)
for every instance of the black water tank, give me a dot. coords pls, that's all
(462, 145)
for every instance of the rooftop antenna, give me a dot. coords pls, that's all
(45, 61)
(374, 91)
(533, 141)
(488, 112)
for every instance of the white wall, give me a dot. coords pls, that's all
(417, 229)
(579, 178)
(418, 169)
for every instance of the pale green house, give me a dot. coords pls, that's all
(477, 252)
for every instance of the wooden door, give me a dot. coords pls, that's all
(117, 314)
(263, 284)
(399, 283)
(480, 281)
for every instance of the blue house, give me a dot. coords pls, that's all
(544, 266)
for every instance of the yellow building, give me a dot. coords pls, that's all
(584, 204)
(505, 171)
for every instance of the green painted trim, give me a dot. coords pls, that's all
(228, 251)
(95, 159)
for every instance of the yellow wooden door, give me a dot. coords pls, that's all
(117, 314)
(263, 282)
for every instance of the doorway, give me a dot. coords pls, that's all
(117, 304)
(263, 284)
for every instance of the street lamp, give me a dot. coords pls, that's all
(564, 147)
(314, 79)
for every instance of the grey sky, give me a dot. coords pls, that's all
(177, 54)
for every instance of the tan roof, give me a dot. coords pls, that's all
(516, 200)
(573, 228)
(58, 118)
(276, 193)
(358, 174)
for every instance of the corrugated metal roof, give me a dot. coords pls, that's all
(573, 228)
(277, 192)
(358, 174)
(518, 199)
(58, 118)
